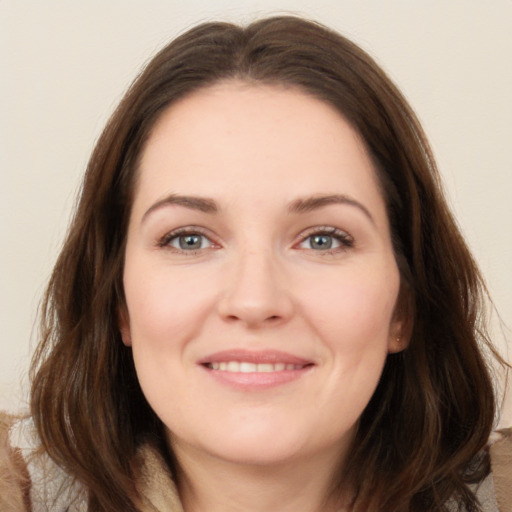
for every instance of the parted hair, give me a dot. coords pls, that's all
(433, 410)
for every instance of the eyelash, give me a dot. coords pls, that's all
(166, 240)
(345, 240)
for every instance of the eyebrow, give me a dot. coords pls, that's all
(301, 205)
(202, 204)
(308, 204)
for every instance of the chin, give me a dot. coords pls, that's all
(269, 445)
(259, 452)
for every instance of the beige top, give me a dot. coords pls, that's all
(51, 489)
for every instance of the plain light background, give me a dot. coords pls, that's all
(65, 65)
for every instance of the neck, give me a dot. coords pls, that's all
(210, 484)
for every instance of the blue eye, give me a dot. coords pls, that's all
(321, 242)
(191, 242)
(185, 241)
(327, 240)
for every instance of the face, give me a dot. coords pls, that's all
(260, 279)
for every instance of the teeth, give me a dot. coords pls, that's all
(248, 367)
(244, 367)
(233, 366)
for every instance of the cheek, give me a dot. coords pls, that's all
(166, 304)
(353, 309)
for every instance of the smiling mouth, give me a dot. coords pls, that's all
(246, 367)
(260, 370)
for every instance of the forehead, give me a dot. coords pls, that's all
(256, 141)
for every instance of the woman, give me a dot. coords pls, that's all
(263, 302)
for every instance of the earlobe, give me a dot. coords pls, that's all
(400, 333)
(397, 343)
(124, 326)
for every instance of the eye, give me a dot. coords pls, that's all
(191, 242)
(185, 240)
(326, 239)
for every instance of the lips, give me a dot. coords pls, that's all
(255, 370)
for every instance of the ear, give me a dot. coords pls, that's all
(123, 320)
(398, 341)
(400, 330)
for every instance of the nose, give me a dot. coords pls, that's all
(256, 293)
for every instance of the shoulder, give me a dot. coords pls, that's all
(14, 479)
(501, 466)
(29, 479)
(494, 493)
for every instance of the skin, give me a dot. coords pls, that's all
(258, 280)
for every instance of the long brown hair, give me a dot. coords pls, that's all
(434, 407)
